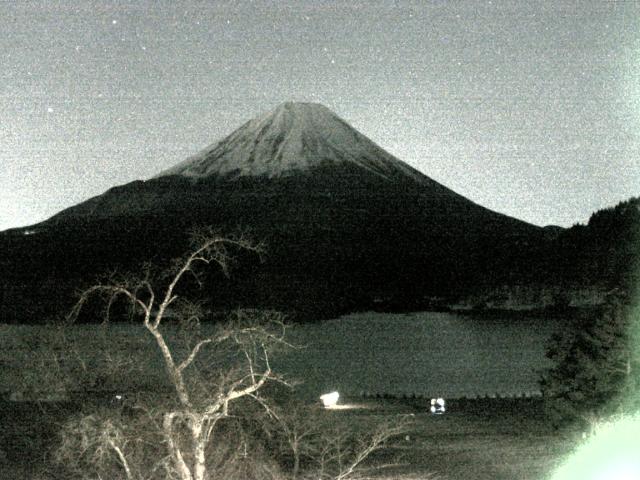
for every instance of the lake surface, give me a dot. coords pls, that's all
(425, 354)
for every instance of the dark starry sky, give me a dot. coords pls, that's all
(529, 108)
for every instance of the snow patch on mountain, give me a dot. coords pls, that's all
(292, 138)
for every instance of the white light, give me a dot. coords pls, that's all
(437, 405)
(330, 399)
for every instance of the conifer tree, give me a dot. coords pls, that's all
(597, 365)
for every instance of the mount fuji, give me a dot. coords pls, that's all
(347, 225)
(293, 138)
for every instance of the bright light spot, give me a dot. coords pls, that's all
(49, 109)
(330, 399)
(437, 405)
(623, 471)
(613, 453)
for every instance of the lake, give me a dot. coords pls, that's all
(424, 354)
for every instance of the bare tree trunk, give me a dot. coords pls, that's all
(199, 445)
(174, 374)
(296, 465)
(178, 460)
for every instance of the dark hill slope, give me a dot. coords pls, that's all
(605, 251)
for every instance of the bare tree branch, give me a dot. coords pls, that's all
(187, 361)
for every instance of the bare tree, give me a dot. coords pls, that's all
(202, 391)
(316, 445)
(340, 454)
(203, 426)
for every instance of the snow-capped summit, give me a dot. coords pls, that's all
(293, 137)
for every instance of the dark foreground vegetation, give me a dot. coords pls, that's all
(481, 440)
(596, 364)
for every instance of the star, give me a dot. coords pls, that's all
(49, 110)
(114, 22)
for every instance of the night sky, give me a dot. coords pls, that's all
(528, 108)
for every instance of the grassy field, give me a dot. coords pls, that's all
(481, 440)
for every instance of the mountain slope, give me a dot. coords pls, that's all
(347, 225)
(300, 146)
